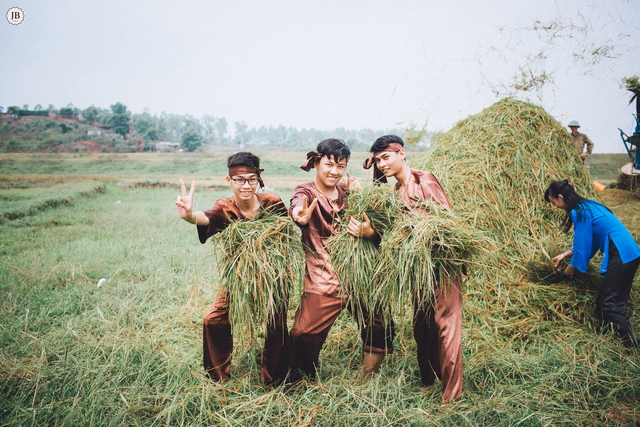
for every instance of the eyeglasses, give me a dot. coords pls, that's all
(242, 181)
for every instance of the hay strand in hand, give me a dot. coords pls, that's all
(381, 203)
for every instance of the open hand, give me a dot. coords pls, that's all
(569, 271)
(557, 260)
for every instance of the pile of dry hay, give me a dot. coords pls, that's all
(259, 263)
(495, 167)
(522, 322)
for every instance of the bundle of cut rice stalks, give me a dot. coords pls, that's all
(428, 247)
(259, 262)
(355, 259)
(381, 203)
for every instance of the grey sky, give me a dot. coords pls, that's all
(326, 64)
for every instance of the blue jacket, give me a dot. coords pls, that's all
(593, 226)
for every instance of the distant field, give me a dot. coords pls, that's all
(606, 167)
(24, 197)
(282, 168)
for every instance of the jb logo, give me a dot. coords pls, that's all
(15, 16)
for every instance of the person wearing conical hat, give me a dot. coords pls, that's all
(580, 140)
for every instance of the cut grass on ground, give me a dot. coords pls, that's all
(129, 352)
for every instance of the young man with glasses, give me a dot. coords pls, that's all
(244, 179)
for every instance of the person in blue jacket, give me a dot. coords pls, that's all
(595, 228)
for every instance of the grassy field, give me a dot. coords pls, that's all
(606, 167)
(129, 352)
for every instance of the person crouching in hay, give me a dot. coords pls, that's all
(437, 327)
(595, 228)
(317, 207)
(245, 204)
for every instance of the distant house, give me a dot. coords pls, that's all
(94, 131)
(167, 146)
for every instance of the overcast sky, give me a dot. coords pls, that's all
(327, 64)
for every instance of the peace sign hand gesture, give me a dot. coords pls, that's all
(185, 203)
(352, 182)
(302, 214)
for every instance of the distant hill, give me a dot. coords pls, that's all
(57, 133)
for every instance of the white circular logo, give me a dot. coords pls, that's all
(15, 16)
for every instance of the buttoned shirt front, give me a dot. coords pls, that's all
(580, 140)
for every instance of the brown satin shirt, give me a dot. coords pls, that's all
(225, 211)
(320, 278)
(423, 186)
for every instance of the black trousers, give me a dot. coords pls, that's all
(611, 305)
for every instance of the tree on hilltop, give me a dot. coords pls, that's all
(120, 119)
(145, 126)
(90, 114)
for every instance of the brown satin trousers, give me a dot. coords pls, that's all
(218, 343)
(315, 316)
(438, 334)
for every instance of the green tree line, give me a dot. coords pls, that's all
(118, 129)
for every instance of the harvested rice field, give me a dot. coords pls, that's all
(129, 352)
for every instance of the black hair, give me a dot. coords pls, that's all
(243, 158)
(383, 142)
(572, 200)
(334, 149)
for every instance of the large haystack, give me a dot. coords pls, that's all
(495, 167)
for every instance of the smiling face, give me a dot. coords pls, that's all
(243, 186)
(558, 202)
(329, 171)
(390, 163)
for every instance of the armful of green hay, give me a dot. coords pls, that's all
(259, 262)
(425, 249)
